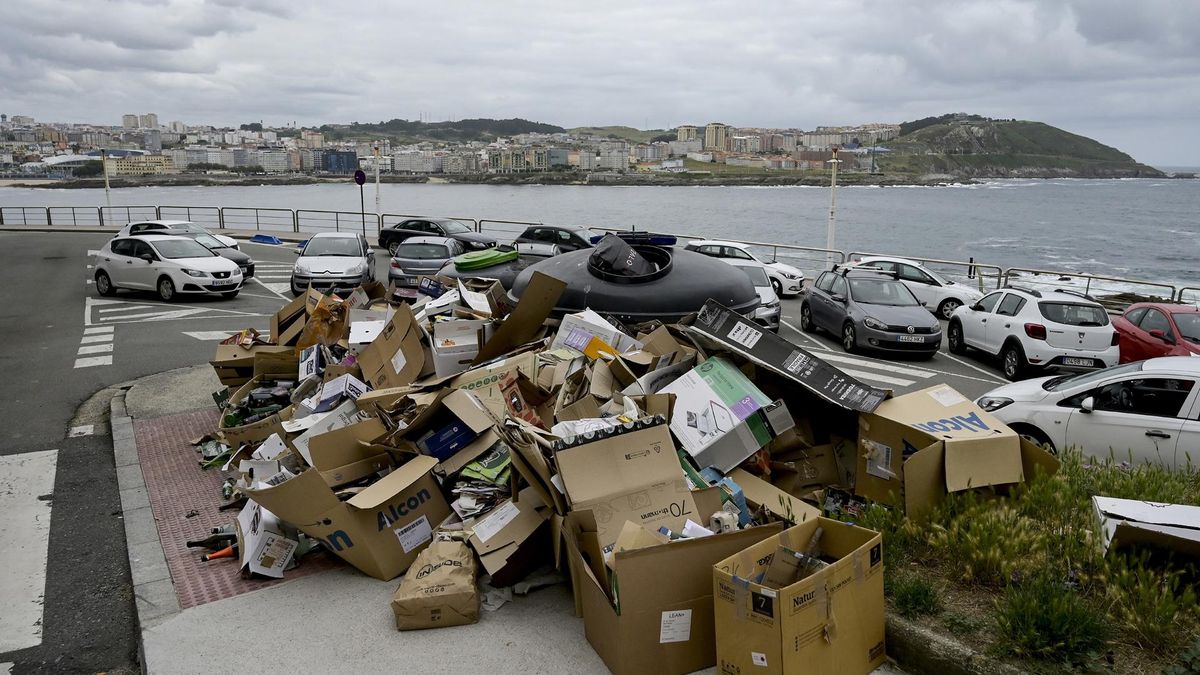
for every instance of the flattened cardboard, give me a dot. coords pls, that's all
(396, 357)
(742, 336)
(829, 622)
(1125, 523)
(371, 530)
(484, 381)
(344, 455)
(519, 545)
(525, 321)
(234, 365)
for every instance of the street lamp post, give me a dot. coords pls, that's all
(832, 227)
(104, 164)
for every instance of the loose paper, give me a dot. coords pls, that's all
(365, 332)
(947, 396)
(496, 521)
(270, 449)
(879, 460)
(745, 335)
(399, 360)
(759, 659)
(414, 534)
(676, 626)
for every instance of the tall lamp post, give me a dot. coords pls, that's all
(832, 227)
(104, 164)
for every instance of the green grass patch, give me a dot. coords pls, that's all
(914, 595)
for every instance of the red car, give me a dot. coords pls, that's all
(1152, 329)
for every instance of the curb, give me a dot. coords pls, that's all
(920, 650)
(153, 590)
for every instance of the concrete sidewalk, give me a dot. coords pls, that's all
(332, 620)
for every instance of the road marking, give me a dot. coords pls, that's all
(124, 308)
(900, 370)
(94, 349)
(90, 361)
(96, 330)
(804, 335)
(209, 334)
(875, 377)
(91, 267)
(88, 282)
(81, 430)
(154, 316)
(92, 252)
(88, 339)
(277, 289)
(272, 277)
(991, 377)
(26, 490)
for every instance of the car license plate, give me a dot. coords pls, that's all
(222, 282)
(1072, 361)
(910, 338)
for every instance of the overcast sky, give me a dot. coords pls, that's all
(1126, 72)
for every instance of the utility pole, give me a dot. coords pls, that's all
(378, 213)
(832, 228)
(107, 195)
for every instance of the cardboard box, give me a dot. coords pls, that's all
(439, 590)
(264, 546)
(454, 423)
(1125, 523)
(627, 476)
(484, 381)
(308, 428)
(380, 530)
(267, 366)
(916, 448)
(829, 622)
(455, 344)
(720, 418)
(578, 330)
(665, 622)
(524, 324)
(484, 297)
(729, 330)
(234, 365)
(396, 357)
(512, 539)
(346, 454)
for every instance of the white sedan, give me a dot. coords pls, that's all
(166, 265)
(941, 295)
(1144, 412)
(152, 226)
(786, 280)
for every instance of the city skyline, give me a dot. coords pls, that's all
(1122, 74)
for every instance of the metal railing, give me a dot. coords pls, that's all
(983, 276)
(1115, 293)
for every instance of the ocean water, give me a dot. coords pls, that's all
(1131, 228)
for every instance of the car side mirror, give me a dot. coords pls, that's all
(976, 307)
(1087, 405)
(838, 298)
(1162, 336)
(923, 303)
(297, 251)
(148, 257)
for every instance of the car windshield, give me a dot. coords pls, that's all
(453, 227)
(881, 292)
(333, 246)
(1069, 381)
(1073, 314)
(187, 227)
(181, 248)
(207, 240)
(757, 276)
(1189, 326)
(422, 251)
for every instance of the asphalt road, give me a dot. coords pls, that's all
(63, 343)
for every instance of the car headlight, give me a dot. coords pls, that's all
(360, 268)
(193, 273)
(871, 322)
(993, 403)
(249, 262)
(300, 269)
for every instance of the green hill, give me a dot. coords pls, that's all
(458, 131)
(974, 146)
(625, 133)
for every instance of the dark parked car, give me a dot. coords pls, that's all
(390, 237)
(872, 310)
(566, 238)
(243, 261)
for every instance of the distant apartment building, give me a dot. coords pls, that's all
(821, 139)
(686, 133)
(461, 163)
(221, 156)
(178, 127)
(700, 156)
(613, 160)
(339, 161)
(588, 160)
(558, 157)
(518, 160)
(127, 121)
(152, 140)
(21, 120)
(418, 162)
(148, 121)
(312, 139)
(682, 148)
(310, 160)
(140, 165)
(197, 156)
(756, 162)
(274, 161)
(790, 142)
(746, 144)
(716, 136)
(178, 157)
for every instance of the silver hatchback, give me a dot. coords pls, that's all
(420, 256)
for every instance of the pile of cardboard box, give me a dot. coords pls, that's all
(679, 473)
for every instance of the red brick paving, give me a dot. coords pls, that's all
(177, 486)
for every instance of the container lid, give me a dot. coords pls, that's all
(477, 260)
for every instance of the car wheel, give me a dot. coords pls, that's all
(954, 338)
(166, 289)
(1036, 436)
(393, 248)
(104, 284)
(230, 295)
(849, 338)
(806, 320)
(778, 287)
(1012, 359)
(946, 309)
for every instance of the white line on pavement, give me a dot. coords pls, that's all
(209, 334)
(124, 308)
(991, 377)
(25, 531)
(804, 335)
(875, 377)
(148, 316)
(89, 361)
(88, 339)
(94, 349)
(900, 370)
(272, 277)
(275, 288)
(92, 252)
(94, 330)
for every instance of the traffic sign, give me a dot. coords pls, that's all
(360, 177)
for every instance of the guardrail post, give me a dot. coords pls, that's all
(257, 224)
(99, 216)
(157, 213)
(337, 222)
(295, 222)
(49, 220)
(221, 217)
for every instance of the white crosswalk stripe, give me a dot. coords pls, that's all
(95, 330)
(892, 368)
(92, 361)
(94, 349)
(209, 334)
(89, 339)
(107, 311)
(875, 377)
(26, 485)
